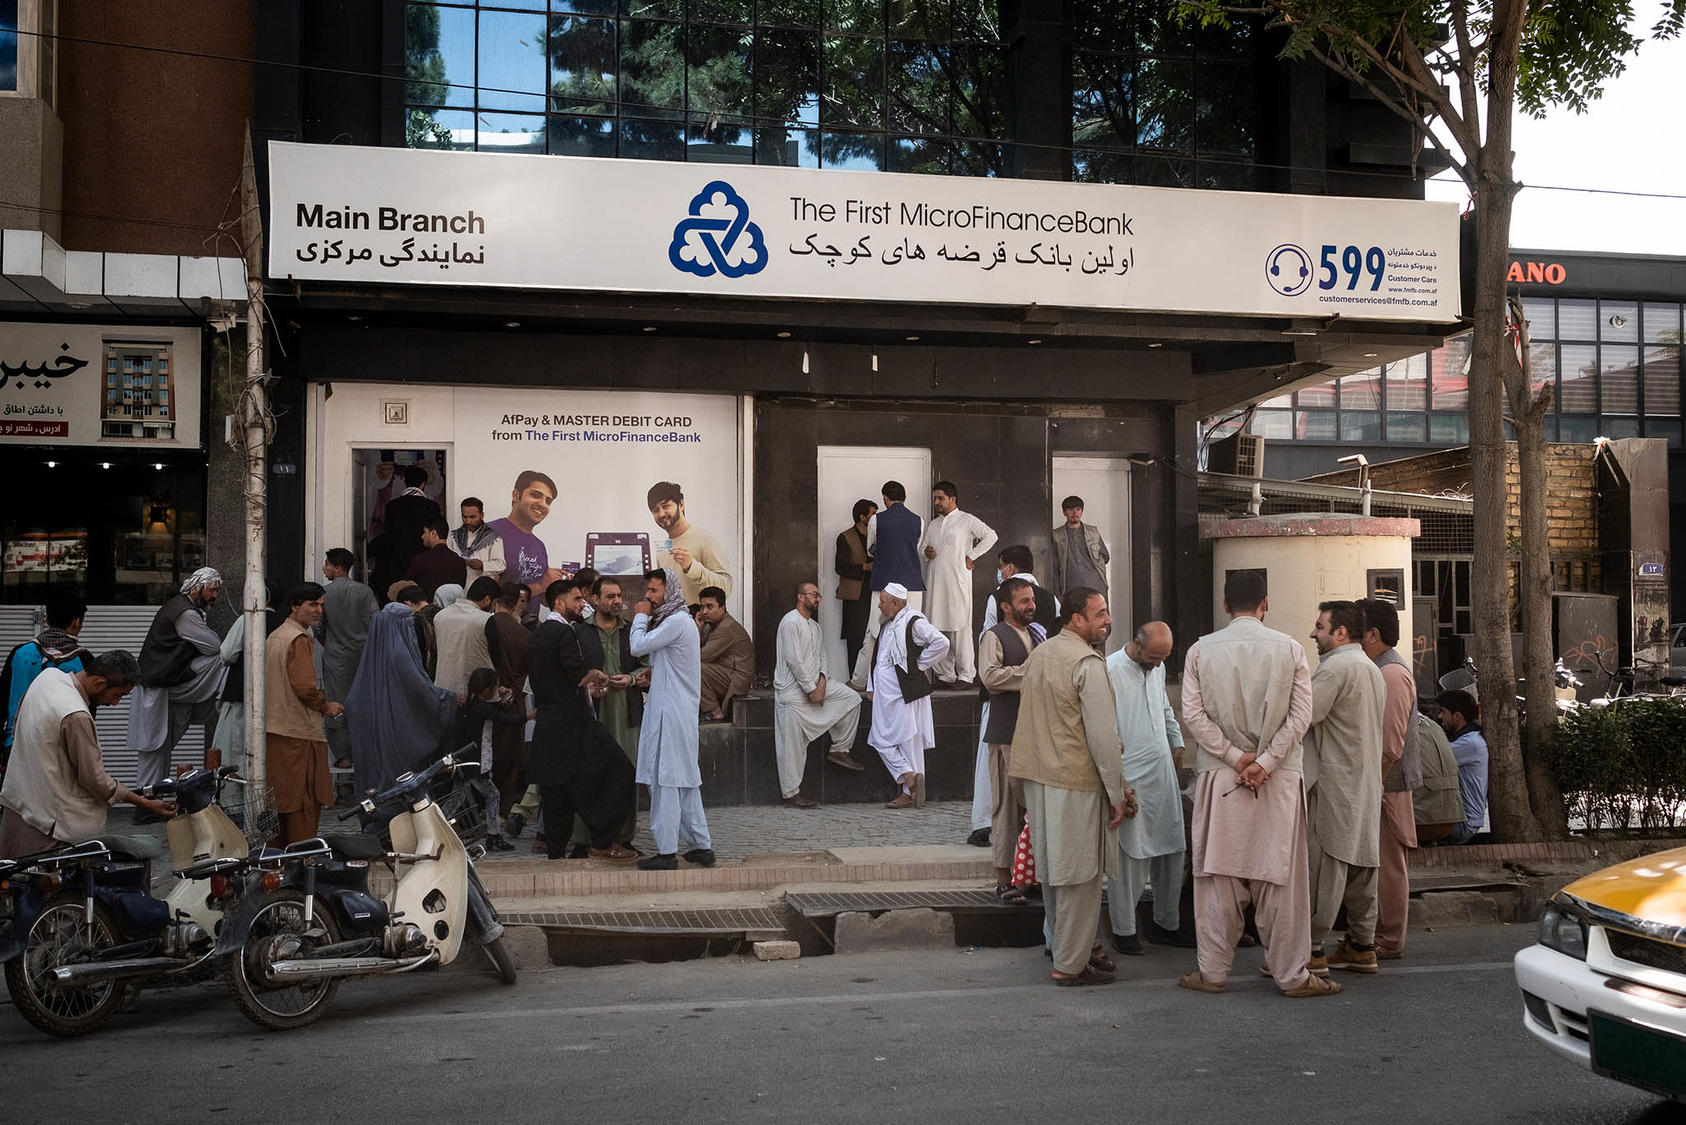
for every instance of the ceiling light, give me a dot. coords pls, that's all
(1156, 345)
(784, 335)
(649, 328)
(911, 339)
(354, 317)
(52, 464)
(105, 464)
(80, 305)
(512, 324)
(1371, 355)
(1038, 340)
(159, 465)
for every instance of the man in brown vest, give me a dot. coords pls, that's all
(1067, 752)
(295, 745)
(1001, 657)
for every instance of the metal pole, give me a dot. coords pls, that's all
(253, 416)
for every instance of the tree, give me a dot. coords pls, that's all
(1457, 71)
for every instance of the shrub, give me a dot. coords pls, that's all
(1624, 765)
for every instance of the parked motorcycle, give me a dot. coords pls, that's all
(290, 947)
(202, 830)
(86, 927)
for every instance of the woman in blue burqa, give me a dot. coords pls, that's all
(396, 714)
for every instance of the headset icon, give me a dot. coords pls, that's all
(1288, 269)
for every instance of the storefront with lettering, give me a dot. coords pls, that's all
(777, 342)
(101, 448)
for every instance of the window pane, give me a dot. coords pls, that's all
(1407, 384)
(979, 91)
(654, 9)
(719, 73)
(1579, 431)
(1619, 379)
(1449, 375)
(920, 19)
(794, 148)
(438, 55)
(510, 132)
(1227, 108)
(1165, 104)
(1579, 365)
(581, 136)
(582, 65)
(1618, 321)
(711, 141)
(583, 7)
(1662, 380)
(440, 128)
(918, 88)
(1316, 396)
(653, 65)
(854, 83)
(652, 140)
(1100, 102)
(1362, 391)
(789, 13)
(8, 44)
(1662, 323)
(1619, 427)
(1314, 425)
(926, 155)
(858, 152)
(1542, 365)
(1273, 424)
(863, 17)
(1669, 430)
(1450, 429)
(1541, 315)
(1577, 320)
(1406, 427)
(787, 77)
(512, 60)
(1092, 166)
(723, 11)
(1364, 425)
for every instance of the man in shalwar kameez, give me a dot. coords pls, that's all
(1343, 788)
(901, 729)
(1150, 844)
(182, 675)
(1247, 703)
(1066, 752)
(806, 703)
(663, 631)
(952, 542)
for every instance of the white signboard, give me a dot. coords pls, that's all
(385, 215)
(99, 384)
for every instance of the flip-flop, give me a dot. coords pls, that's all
(1010, 895)
(1090, 975)
(616, 852)
(1099, 960)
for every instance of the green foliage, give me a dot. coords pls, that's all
(1624, 765)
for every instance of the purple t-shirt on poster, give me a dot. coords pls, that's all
(523, 552)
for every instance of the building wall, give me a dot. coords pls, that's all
(153, 140)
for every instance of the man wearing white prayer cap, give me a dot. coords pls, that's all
(901, 693)
(181, 676)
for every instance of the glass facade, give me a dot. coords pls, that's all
(1614, 366)
(878, 85)
(8, 46)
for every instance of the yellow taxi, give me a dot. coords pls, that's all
(1605, 984)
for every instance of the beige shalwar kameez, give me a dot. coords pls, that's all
(1343, 793)
(1247, 690)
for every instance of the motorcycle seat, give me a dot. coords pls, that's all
(356, 847)
(1673, 680)
(134, 847)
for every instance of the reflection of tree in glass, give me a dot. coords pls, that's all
(424, 77)
(581, 56)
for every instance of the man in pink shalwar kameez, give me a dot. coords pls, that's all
(1246, 698)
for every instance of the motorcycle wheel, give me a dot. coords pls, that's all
(502, 962)
(280, 922)
(59, 938)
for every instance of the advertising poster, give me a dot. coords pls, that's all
(615, 480)
(99, 384)
(341, 213)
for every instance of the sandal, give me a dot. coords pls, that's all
(1090, 975)
(1010, 895)
(1099, 960)
(615, 852)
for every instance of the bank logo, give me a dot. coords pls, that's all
(717, 236)
(1288, 270)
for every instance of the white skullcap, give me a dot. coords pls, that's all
(896, 590)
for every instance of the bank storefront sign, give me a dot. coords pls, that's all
(99, 384)
(384, 215)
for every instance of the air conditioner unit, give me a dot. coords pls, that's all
(1240, 455)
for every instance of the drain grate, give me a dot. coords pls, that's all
(738, 920)
(820, 904)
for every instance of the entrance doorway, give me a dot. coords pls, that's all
(857, 472)
(1104, 485)
(377, 477)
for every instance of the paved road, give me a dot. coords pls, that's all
(958, 1036)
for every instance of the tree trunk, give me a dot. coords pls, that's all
(1495, 190)
(1534, 592)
